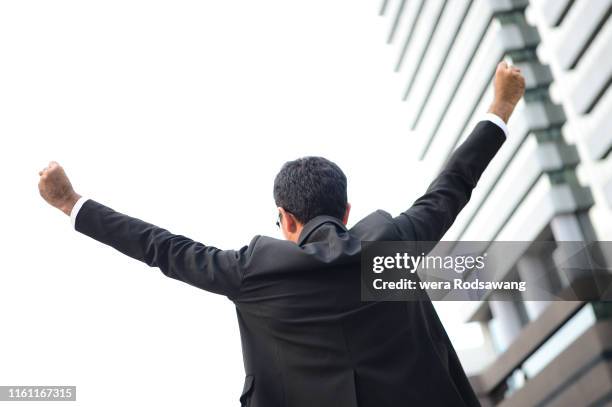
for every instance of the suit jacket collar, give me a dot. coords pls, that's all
(315, 223)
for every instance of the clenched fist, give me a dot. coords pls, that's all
(55, 188)
(509, 86)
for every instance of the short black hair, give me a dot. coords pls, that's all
(309, 187)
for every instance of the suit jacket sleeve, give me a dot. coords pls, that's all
(178, 257)
(433, 213)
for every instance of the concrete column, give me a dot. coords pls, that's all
(506, 323)
(532, 270)
(566, 228)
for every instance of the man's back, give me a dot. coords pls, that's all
(308, 340)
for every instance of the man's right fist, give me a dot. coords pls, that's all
(55, 188)
(509, 86)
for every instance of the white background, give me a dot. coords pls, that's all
(180, 113)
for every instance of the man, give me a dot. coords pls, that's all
(307, 338)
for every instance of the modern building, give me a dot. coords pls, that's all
(552, 180)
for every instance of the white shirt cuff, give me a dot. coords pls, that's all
(495, 119)
(75, 210)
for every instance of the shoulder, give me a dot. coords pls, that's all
(378, 225)
(266, 247)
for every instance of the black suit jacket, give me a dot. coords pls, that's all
(307, 339)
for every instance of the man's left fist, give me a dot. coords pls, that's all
(55, 188)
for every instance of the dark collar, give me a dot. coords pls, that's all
(314, 224)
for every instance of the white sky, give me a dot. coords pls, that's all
(180, 113)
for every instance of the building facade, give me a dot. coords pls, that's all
(551, 181)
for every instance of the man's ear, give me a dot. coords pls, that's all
(288, 222)
(346, 213)
(290, 226)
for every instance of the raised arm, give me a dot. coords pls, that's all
(433, 213)
(178, 257)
